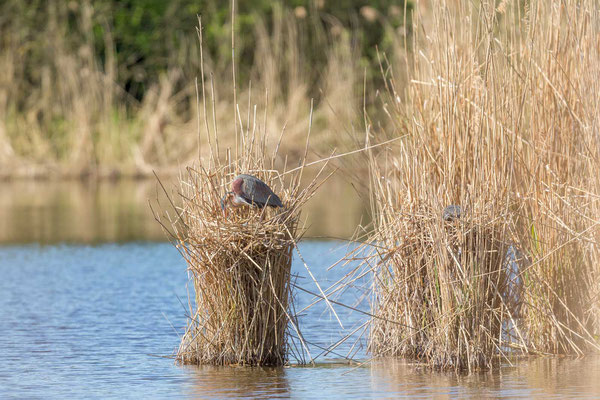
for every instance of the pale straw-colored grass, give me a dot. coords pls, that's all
(499, 115)
(239, 262)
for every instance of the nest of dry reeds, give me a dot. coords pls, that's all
(240, 270)
(239, 265)
(239, 262)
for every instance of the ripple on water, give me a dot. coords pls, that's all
(88, 322)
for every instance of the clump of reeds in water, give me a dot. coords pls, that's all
(443, 287)
(239, 264)
(497, 117)
(240, 269)
(239, 261)
(559, 222)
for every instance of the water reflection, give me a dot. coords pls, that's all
(75, 211)
(84, 321)
(107, 211)
(561, 376)
(415, 381)
(240, 382)
(392, 378)
(537, 377)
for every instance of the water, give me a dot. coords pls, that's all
(107, 211)
(89, 313)
(81, 321)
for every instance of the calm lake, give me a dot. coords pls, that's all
(92, 305)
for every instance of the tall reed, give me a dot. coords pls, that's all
(559, 157)
(497, 114)
(67, 115)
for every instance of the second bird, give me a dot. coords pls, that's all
(248, 190)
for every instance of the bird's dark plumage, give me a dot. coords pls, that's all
(452, 212)
(250, 190)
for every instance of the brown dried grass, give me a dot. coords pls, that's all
(239, 264)
(74, 120)
(500, 116)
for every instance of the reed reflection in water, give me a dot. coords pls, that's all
(240, 382)
(541, 378)
(118, 211)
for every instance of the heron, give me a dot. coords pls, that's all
(248, 190)
(452, 212)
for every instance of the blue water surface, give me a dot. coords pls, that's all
(81, 321)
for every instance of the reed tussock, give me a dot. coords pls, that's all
(239, 261)
(239, 265)
(240, 270)
(445, 291)
(498, 115)
(560, 158)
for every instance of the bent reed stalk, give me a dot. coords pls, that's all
(500, 113)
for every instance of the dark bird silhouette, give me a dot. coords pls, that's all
(452, 212)
(248, 190)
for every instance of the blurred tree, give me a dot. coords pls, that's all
(147, 32)
(149, 36)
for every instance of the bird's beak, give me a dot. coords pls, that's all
(224, 205)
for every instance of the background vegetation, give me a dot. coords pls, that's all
(107, 86)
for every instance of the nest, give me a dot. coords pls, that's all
(239, 265)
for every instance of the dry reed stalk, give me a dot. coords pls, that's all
(501, 116)
(445, 292)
